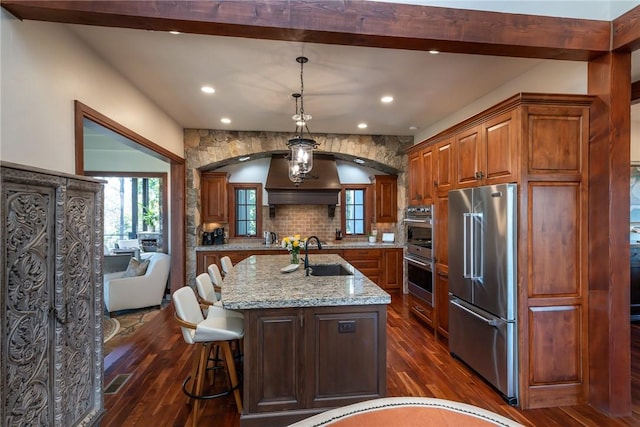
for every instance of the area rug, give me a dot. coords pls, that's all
(129, 322)
(110, 328)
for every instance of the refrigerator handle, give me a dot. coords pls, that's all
(477, 244)
(490, 322)
(465, 245)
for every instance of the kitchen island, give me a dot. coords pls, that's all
(311, 342)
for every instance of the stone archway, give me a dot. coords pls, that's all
(207, 149)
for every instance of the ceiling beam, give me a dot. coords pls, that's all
(346, 22)
(626, 31)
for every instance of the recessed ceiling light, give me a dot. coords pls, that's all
(244, 159)
(207, 89)
(362, 125)
(434, 51)
(225, 120)
(386, 99)
(358, 161)
(174, 32)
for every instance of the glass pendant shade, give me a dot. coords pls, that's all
(301, 148)
(300, 158)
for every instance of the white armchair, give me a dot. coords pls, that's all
(123, 293)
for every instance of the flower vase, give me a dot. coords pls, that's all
(293, 258)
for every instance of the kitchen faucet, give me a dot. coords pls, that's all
(306, 252)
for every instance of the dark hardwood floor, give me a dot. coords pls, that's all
(417, 365)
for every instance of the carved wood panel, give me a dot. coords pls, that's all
(51, 298)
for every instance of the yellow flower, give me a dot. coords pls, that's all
(296, 243)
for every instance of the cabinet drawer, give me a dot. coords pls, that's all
(365, 264)
(421, 310)
(350, 254)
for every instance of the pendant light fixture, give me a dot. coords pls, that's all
(300, 146)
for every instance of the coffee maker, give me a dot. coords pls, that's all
(217, 236)
(207, 238)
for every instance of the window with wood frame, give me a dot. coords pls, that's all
(356, 209)
(245, 204)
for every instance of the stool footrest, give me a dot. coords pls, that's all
(206, 396)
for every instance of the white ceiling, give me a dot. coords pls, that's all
(254, 80)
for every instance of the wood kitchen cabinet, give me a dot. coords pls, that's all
(213, 197)
(386, 197)
(421, 177)
(312, 357)
(421, 309)
(205, 258)
(441, 284)
(540, 142)
(443, 167)
(487, 153)
(382, 266)
(442, 301)
(391, 273)
(368, 261)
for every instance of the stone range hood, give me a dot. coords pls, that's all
(321, 191)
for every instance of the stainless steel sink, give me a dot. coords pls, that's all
(329, 270)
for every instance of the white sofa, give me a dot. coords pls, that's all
(124, 293)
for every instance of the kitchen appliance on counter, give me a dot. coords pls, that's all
(482, 283)
(418, 260)
(215, 237)
(270, 237)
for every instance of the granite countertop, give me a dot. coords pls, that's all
(257, 283)
(260, 246)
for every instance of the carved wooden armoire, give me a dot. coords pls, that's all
(51, 298)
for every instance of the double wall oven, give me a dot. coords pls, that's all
(418, 260)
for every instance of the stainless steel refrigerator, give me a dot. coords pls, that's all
(482, 283)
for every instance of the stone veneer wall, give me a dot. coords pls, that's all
(207, 149)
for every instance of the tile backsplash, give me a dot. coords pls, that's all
(306, 220)
(311, 220)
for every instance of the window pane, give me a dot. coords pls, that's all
(241, 197)
(131, 206)
(246, 212)
(354, 211)
(349, 197)
(359, 197)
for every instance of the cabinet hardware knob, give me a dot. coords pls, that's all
(435, 183)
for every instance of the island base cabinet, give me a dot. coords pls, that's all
(302, 361)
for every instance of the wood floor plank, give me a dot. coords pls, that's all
(417, 365)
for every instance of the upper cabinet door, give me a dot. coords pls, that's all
(415, 178)
(500, 148)
(213, 197)
(426, 156)
(386, 188)
(443, 166)
(468, 156)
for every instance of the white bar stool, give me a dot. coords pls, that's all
(216, 329)
(209, 297)
(226, 264)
